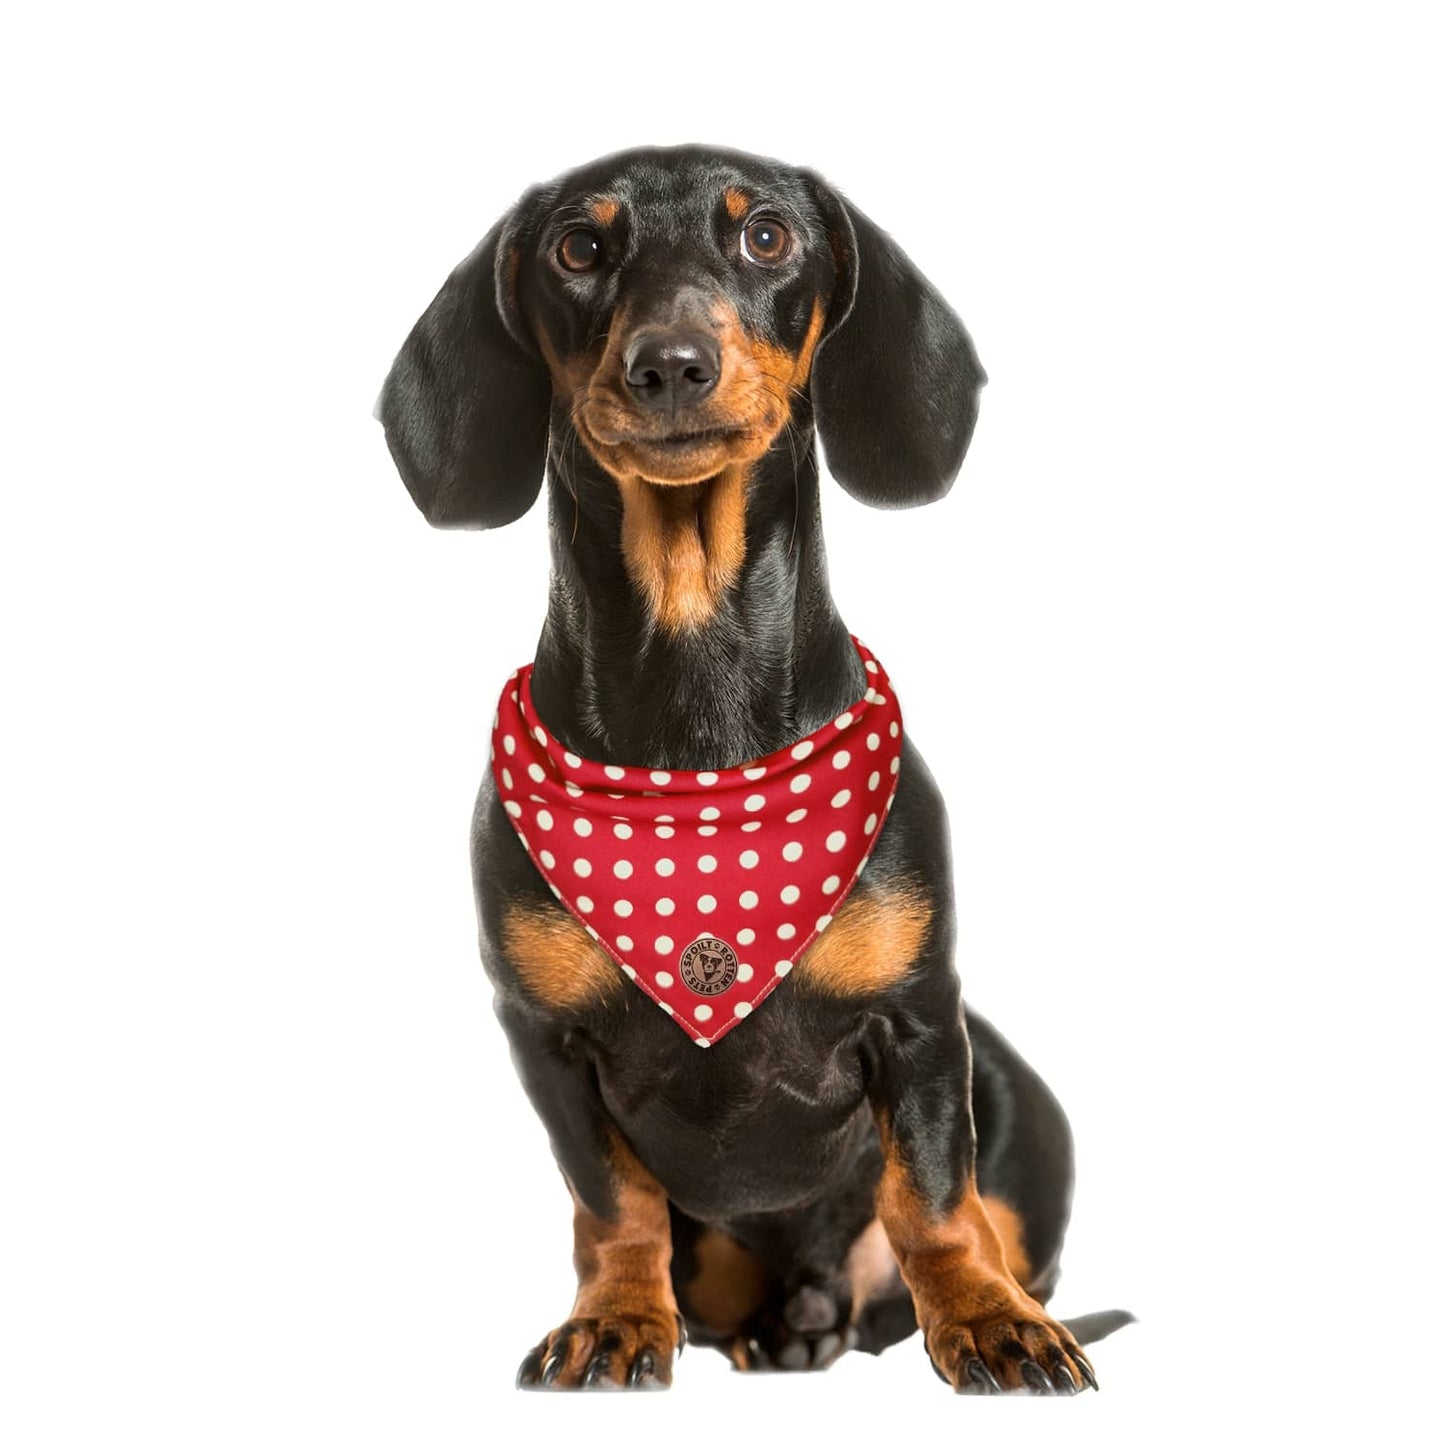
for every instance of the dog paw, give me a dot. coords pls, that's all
(810, 1332)
(604, 1352)
(1005, 1355)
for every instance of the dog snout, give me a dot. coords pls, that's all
(671, 369)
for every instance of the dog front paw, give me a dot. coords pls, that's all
(608, 1351)
(1003, 1354)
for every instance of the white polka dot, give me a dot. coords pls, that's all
(621, 830)
(871, 824)
(871, 696)
(664, 830)
(661, 778)
(871, 665)
(663, 943)
(801, 783)
(893, 766)
(707, 831)
(873, 741)
(582, 827)
(548, 861)
(664, 1006)
(842, 758)
(742, 1010)
(823, 922)
(747, 899)
(791, 893)
(572, 760)
(835, 841)
(666, 907)
(544, 820)
(622, 908)
(707, 779)
(701, 1043)
(510, 744)
(832, 883)
(802, 749)
(584, 903)
(540, 733)
(792, 851)
(753, 803)
(573, 791)
(782, 968)
(622, 869)
(751, 827)
(555, 889)
(748, 858)
(786, 931)
(709, 814)
(665, 867)
(614, 772)
(664, 818)
(513, 807)
(702, 1013)
(706, 903)
(706, 863)
(663, 980)
(581, 867)
(506, 777)
(624, 943)
(873, 780)
(797, 815)
(745, 937)
(627, 968)
(536, 772)
(893, 730)
(840, 798)
(753, 774)
(745, 970)
(842, 720)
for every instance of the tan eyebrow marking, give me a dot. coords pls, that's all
(736, 202)
(604, 209)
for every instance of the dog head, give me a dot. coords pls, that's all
(674, 311)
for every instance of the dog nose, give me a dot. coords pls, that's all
(666, 370)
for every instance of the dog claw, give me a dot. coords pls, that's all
(643, 1372)
(980, 1380)
(551, 1369)
(530, 1369)
(1086, 1370)
(1035, 1378)
(1064, 1382)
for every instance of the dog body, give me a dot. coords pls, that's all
(662, 331)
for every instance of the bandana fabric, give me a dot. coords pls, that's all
(704, 887)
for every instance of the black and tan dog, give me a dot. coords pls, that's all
(660, 331)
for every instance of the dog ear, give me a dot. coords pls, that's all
(896, 380)
(465, 405)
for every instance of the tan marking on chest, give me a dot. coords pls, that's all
(684, 546)
(556, 959)
(872, 942)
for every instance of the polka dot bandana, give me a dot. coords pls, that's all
(705, 888)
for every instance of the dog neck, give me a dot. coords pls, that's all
(690, 627)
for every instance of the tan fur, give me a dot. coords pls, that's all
(556, 959)
(871, 943)
(729, 1286)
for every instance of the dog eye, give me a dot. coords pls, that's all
(766, 242)
(580, 250)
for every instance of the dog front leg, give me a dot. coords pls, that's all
(624, 1327)
(984, 1333)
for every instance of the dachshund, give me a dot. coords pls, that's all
(850, 1155)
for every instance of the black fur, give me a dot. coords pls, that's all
(771, 1136)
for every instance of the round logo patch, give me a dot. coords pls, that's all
(708, 965)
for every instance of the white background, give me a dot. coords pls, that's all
(266, 1170)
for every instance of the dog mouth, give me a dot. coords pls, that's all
(676, 457)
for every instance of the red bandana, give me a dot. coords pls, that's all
(704, 887)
